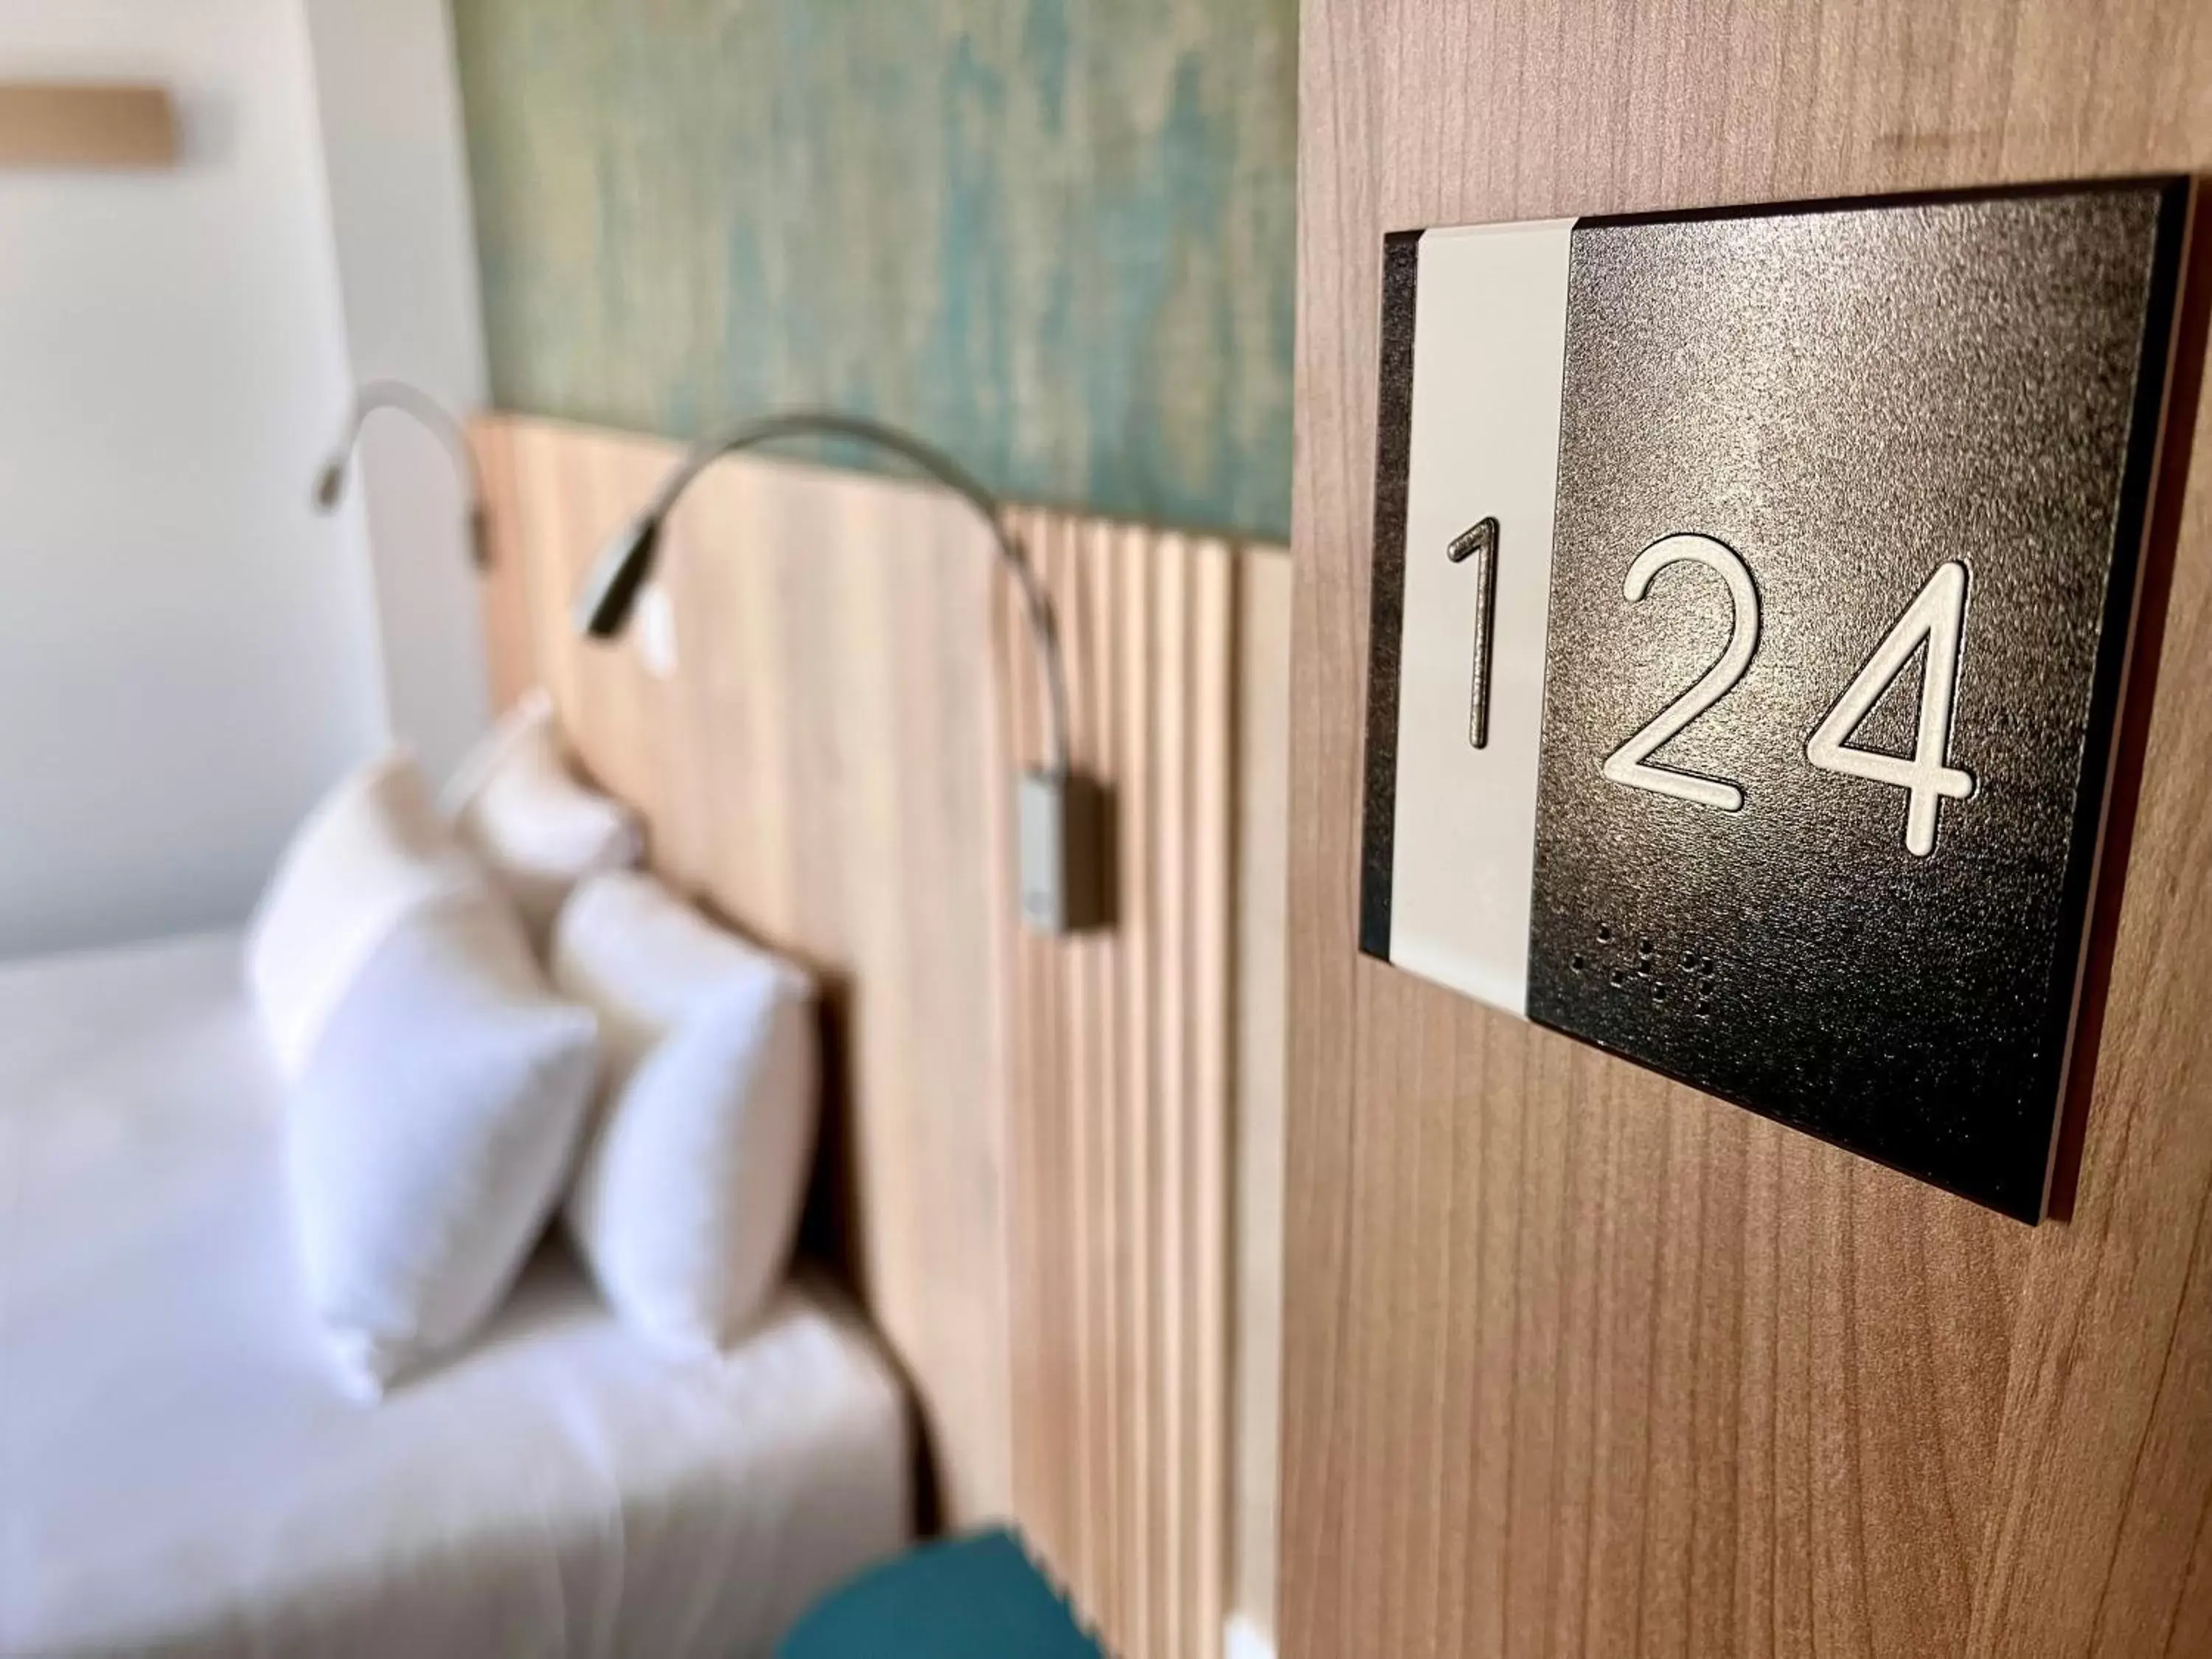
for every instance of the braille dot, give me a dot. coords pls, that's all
(1689, 961)
(1577, 964)
(1604, 934)
(1643, 947)
(1659, 992)
(1620, 978)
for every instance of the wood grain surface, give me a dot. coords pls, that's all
(1035, 1133)
(1581, 1362)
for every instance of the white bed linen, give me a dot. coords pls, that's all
(178, 1473)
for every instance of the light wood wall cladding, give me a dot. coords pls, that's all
(64, 123)
(1039, 1129)
(1159, 1038)
(1581, 1362)
(823, 766)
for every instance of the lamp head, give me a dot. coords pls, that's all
(616, 579)
(330, 485)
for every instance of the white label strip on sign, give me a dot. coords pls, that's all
(1491, 318)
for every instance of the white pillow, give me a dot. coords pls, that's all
(538, 829)
(431, 1134)
(372, 851)
(689, 1186)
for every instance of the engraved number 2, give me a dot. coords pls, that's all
(1631, 765)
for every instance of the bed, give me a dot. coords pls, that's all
(179, 1473)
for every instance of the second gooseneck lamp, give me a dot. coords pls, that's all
(1061, 817)
(434, 417)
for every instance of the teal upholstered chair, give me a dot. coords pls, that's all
(968, 1598)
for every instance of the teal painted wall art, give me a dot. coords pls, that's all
(1052, 236)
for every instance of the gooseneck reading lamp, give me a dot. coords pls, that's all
(428, 412)
(1061, 817)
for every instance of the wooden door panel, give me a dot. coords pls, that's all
(1579, 1361)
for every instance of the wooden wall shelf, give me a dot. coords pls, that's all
(65, 123)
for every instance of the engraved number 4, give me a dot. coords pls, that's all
(1938, 616)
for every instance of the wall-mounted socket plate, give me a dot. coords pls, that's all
(1062, 830)
(1752, 591)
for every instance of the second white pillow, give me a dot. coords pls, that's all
(688, 1189)
(535, 825)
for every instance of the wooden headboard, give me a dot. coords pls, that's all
(1036, 1140)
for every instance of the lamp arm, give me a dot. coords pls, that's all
(1036, 608)
(433, 416)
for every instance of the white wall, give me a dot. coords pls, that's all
(391, 114)
(187, 653)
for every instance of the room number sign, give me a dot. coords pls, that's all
(1752, 595)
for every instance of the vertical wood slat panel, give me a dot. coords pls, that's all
(1038, 1129)
(1171, 1004)
(1121, 1328)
